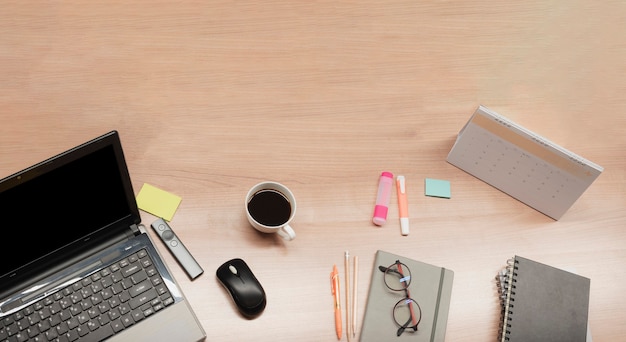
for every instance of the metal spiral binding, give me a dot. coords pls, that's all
(505, 281)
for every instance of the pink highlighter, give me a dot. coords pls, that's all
(382, 199)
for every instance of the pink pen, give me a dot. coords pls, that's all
(382, 199)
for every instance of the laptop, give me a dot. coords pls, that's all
(81, 266)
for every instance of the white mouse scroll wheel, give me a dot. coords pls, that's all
(232, 269)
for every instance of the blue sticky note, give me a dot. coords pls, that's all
(437, 188)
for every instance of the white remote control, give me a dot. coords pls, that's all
(180, 252)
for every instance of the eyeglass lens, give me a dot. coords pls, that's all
(398, 277)
(407, 315)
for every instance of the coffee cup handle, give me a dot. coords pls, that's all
(287, 233)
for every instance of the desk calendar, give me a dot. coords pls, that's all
(521, 163)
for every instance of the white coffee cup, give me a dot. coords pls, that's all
(270, 207)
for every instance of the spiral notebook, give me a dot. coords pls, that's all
(542, 303)
(431, 288)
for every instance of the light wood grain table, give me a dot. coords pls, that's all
(211, 97)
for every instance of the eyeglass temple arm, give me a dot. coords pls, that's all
(404, 326)
(385, 269)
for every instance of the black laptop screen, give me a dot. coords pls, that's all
(64, 200)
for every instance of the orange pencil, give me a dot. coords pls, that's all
(334, 287)
(354, 293)
(347, 264)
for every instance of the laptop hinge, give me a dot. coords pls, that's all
(134, 230)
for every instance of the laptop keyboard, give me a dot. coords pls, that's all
(94, 308)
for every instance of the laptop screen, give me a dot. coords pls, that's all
(64, 201)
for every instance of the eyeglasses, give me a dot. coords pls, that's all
(407, 313)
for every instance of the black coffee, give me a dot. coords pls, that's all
(269, 208)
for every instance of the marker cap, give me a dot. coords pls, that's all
(404, 225)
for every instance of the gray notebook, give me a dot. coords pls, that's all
(430, 288)
(542, 303)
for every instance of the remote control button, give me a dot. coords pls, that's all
(168, 235)
(174, 243)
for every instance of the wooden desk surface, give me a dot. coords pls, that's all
(212, 97)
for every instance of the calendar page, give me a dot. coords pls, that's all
(521, 163)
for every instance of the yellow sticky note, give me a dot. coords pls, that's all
(157, 202)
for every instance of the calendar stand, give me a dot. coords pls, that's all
(521, 163)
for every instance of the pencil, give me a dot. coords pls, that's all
(334, 286)
(354, 294)
(347, 265)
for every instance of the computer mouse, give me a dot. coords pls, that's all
(243, 286)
